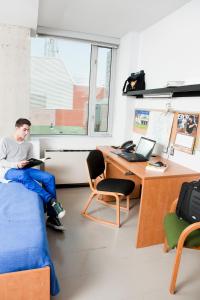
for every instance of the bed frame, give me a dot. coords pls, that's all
(26, 285)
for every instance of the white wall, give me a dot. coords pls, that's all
(124, 106)
(14, 76)
(19, 12)
(169, 50)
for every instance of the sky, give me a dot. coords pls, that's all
(76, 57)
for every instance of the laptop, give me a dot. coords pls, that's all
(142, 153)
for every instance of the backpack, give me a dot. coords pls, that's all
(188, 206)
(135, 82)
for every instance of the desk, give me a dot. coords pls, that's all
(158, 192)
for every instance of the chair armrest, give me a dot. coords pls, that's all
(173, 205)
(186, 232)
(106, 166)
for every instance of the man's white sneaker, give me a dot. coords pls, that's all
(55, 223)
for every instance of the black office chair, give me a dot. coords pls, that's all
(117, 188)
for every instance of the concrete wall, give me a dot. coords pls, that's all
(17, 19)
(14, 76)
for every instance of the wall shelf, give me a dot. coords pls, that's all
(181, 91)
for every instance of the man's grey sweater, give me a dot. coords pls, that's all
(12, 152)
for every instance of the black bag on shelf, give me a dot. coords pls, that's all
(135, 82)
(188, 206)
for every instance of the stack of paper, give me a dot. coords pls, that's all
(155, 168)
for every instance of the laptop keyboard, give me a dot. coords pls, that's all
(132, 156)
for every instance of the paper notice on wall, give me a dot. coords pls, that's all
(159, 127)
(184, 140)
(141, 121)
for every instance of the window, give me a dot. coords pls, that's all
(70, 87)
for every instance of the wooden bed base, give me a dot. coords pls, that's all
(26, 285)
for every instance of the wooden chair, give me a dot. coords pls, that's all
(179, 234)
(117, 188)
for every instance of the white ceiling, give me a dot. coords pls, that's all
(112, 18)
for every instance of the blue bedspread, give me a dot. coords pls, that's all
(23, 239)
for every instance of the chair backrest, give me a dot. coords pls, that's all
(95, 162)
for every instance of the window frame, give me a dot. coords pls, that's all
(92, 94)
(92, 86)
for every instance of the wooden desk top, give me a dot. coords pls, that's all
(138, 168)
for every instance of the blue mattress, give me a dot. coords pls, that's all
(23, 239)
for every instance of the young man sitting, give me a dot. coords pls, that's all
(14, 153)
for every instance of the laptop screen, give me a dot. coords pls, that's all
(145, 147)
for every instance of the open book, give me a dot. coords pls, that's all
(35, 162)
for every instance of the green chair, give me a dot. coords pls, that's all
(179, 234)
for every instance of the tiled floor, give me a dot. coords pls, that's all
(95, 262)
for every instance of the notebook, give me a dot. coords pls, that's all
(142, 152)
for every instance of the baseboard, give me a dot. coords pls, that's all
(71, 185)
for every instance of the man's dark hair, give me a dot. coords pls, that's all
(192, 118)
(20, 122)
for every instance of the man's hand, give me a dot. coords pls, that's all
(22, 164)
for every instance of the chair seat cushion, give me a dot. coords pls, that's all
(174, 226)
(122, 186)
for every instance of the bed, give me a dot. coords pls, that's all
(25, 263)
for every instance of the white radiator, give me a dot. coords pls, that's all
(68, 166)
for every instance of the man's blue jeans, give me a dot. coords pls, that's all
(30, 178)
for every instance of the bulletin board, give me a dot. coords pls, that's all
(186, 132)
(158, 125)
